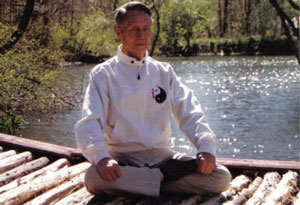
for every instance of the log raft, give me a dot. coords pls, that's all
(34, 172)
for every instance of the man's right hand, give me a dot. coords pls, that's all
(109, 169)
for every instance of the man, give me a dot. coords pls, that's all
(125, 130)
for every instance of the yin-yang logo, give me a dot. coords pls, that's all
(159, 94)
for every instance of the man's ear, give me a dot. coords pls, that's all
(118, 31)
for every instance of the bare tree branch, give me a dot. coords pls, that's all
(21, 28)
(294, 5)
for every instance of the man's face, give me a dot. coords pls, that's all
(135, 34)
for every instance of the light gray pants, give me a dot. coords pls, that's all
(138, 178)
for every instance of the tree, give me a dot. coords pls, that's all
(288, 24)
(21, 27)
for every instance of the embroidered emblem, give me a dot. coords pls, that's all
(159, 94)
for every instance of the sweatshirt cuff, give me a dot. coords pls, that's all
(95, 153)
(206, 145)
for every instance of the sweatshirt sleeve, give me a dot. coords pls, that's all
(89, 129)
(189, 116)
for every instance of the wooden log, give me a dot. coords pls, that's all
(245, 193)
(116, 201)
(24, 192)
(85, 201)
(192, 200)
(23, 170)
(59, 192)
(1, 149)
(14, 161)
(268, 185)
(285, 190)
(236, 185)
(28, 178)
(79, 197)
(7, 154)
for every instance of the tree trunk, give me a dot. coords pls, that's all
(284, 18)
(247, 24)
(116, 4)
(283, 15)
(157, 28)
(294, 5)
(220, 17)
(16, 36)
(225, 17)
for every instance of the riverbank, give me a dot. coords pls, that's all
(247, 46)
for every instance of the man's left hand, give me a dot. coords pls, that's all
(206, 162)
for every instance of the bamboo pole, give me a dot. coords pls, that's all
(23, 170)
(236, 185)
(24, 192)
(28, 178)
(285, 190)
(14, 161)
(59, 192)
(7, 154)
(269, 183)
(78, 197)
(245, 193)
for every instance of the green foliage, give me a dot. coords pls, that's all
(29, 80)
(96, 33)
(182, 22)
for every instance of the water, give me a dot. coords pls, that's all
(251, 103)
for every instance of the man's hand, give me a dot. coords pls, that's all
(206, 162)
(109, 169)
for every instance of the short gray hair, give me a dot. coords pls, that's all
(122, 12)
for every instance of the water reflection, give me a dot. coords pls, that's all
(252, 104)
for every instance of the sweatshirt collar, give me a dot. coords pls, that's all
(129, 60)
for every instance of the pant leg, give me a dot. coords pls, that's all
(135, 180)
(197, 183)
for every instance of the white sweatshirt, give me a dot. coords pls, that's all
(128, 107)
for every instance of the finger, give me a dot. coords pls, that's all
(118, 171)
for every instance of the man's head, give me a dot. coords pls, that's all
(133, 28)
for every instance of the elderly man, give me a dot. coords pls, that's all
(125, 130)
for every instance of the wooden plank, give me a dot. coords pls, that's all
(24, 192)
(59, 192)
(78, 197)
(14, 161)
(7, 154)
(285, 190)
(267, 165)
(39, 147)
(28, 178)
(23, 170)
(245, 194)
(268, 185)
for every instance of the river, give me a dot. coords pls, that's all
(251, 103)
